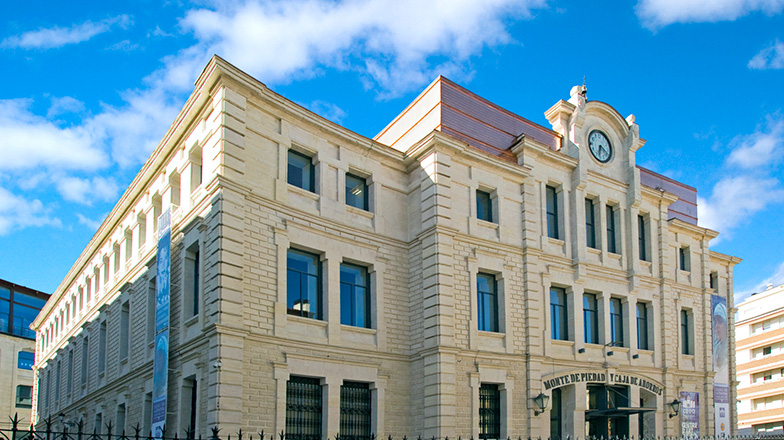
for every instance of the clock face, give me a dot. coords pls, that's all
(600, 146)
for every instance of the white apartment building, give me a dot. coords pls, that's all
(466, 272)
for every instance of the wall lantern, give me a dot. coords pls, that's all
(541, 401)
(676, 407)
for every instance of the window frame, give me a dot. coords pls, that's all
(318, 295)
(354, 200)
(351, 296)
(684, 258)
(489, 411)
(485, 309)
(642, 238)
(22, 361)
(484, 206)
(356, 410)
(686, 335)
(308, 396)
(559, 314)
(551, 209)
(590, 224)
(590, 318)
(18, 401)
(643, 339)
(616, 322)
(307, 161)
(612, 229)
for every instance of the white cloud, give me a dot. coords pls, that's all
(90, 223)
(56, 36)
(17, 213)
(86, 191)
(772, 57)
(390, 42)
(656, 14)
(326, 109)
(763, 147)
(30, 141)
(64, 105)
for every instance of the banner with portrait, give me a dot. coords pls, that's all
(721, 355)
(160, 376)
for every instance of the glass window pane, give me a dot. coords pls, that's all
(5, 293)
(484, 206)
(26, 360)
(300, 170)
(5, 317)
(29, 300)
(356, 192)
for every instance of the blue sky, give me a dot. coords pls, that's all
(90, 90)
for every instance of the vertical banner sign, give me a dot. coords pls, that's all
(690, 414)
(160, 376)
(721, 387)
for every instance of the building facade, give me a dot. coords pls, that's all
(19, 306)
(760, 358)
(466, 272)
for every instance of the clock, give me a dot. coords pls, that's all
(600, 146)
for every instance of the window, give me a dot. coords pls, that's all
(24, 396)
(18, 310)
(642, 326)
(354, 296)
(767, 351)
(489, 411)
(119, 420)
(57, 385)
(147, 414)
(558, 315)
(487, 302)
(713, 280)
(684, 257)
(85, 364)
(125, 327)
(616, 322)
(102, 348)
(484, 206)
(192, 280)
(69, 373)
(42, 398)
(304, 284)
(590, 319)
(612, 245)
(555, 414)
(357, 192)
(26, 360)
(552, 212)
(301, 172)
(151, 311)
(685, 332)
(590, 224)
(189, 406)
(642, 238)
(98, 423)
(303, 408)
(355, 411)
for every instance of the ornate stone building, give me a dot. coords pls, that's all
(466, 272)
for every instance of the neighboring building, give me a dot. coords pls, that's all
(759, 353)
(18, 308)
(434, 280)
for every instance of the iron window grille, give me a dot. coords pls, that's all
(489, 411)
(303, 408)
(304, 284)
(354, 296)
(552, 212)
(355, 411)
(487, 302)
(590, 224)
(616, 322)
(301, 172)
(484, 206)
(590, 319)
(558, 314)
(357, 192)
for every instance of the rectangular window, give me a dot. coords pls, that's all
(684, 257)
(303, 408)
(301, 172)
(98, 423)
(119, 420)
(26, 360)
(147, 415)
(590, 319)
(612, 245)
(57, 383)
(713, 280)
(489, 411)
(766, 351)
(642, 326)
(642, 238)
(192, 281)
(685, 332)
(304, 284)
(552, 212)
(151, 311)
(487, 302)
(590, 224)
(484, 206)
(24, 396)
(555, 414)
(125, 330)
(69, 373)
(85, 360)
(189, 407)
(355, 411)
(357, 192)
(102, 348)
(354, 295)
(17, 311)
(616, 322)
(558, 314)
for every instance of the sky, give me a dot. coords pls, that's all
(89, 92)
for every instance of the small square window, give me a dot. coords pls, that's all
(24, 396)
(767, 351)
(26, 360)
(484, 206)
(301, 172)
(356, 192)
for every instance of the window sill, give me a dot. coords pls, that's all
(191, 320)
(304, 192)
(487, 224)
(555, 241)
(352, 328)
(309, 321)
(594, 251)
(490, 334)
(565, 343)
(359, 211)
(124, 360)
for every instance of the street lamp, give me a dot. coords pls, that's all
(676, 407)
(541, 401)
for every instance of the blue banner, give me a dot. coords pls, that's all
(160, 376)
(690, 414)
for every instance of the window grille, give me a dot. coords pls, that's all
(303, 408)
(355, 411)
(489, 411)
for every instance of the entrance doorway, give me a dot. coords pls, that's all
(609, 410)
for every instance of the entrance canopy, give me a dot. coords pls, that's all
(616, 412)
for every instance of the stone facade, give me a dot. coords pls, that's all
(428, 358)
